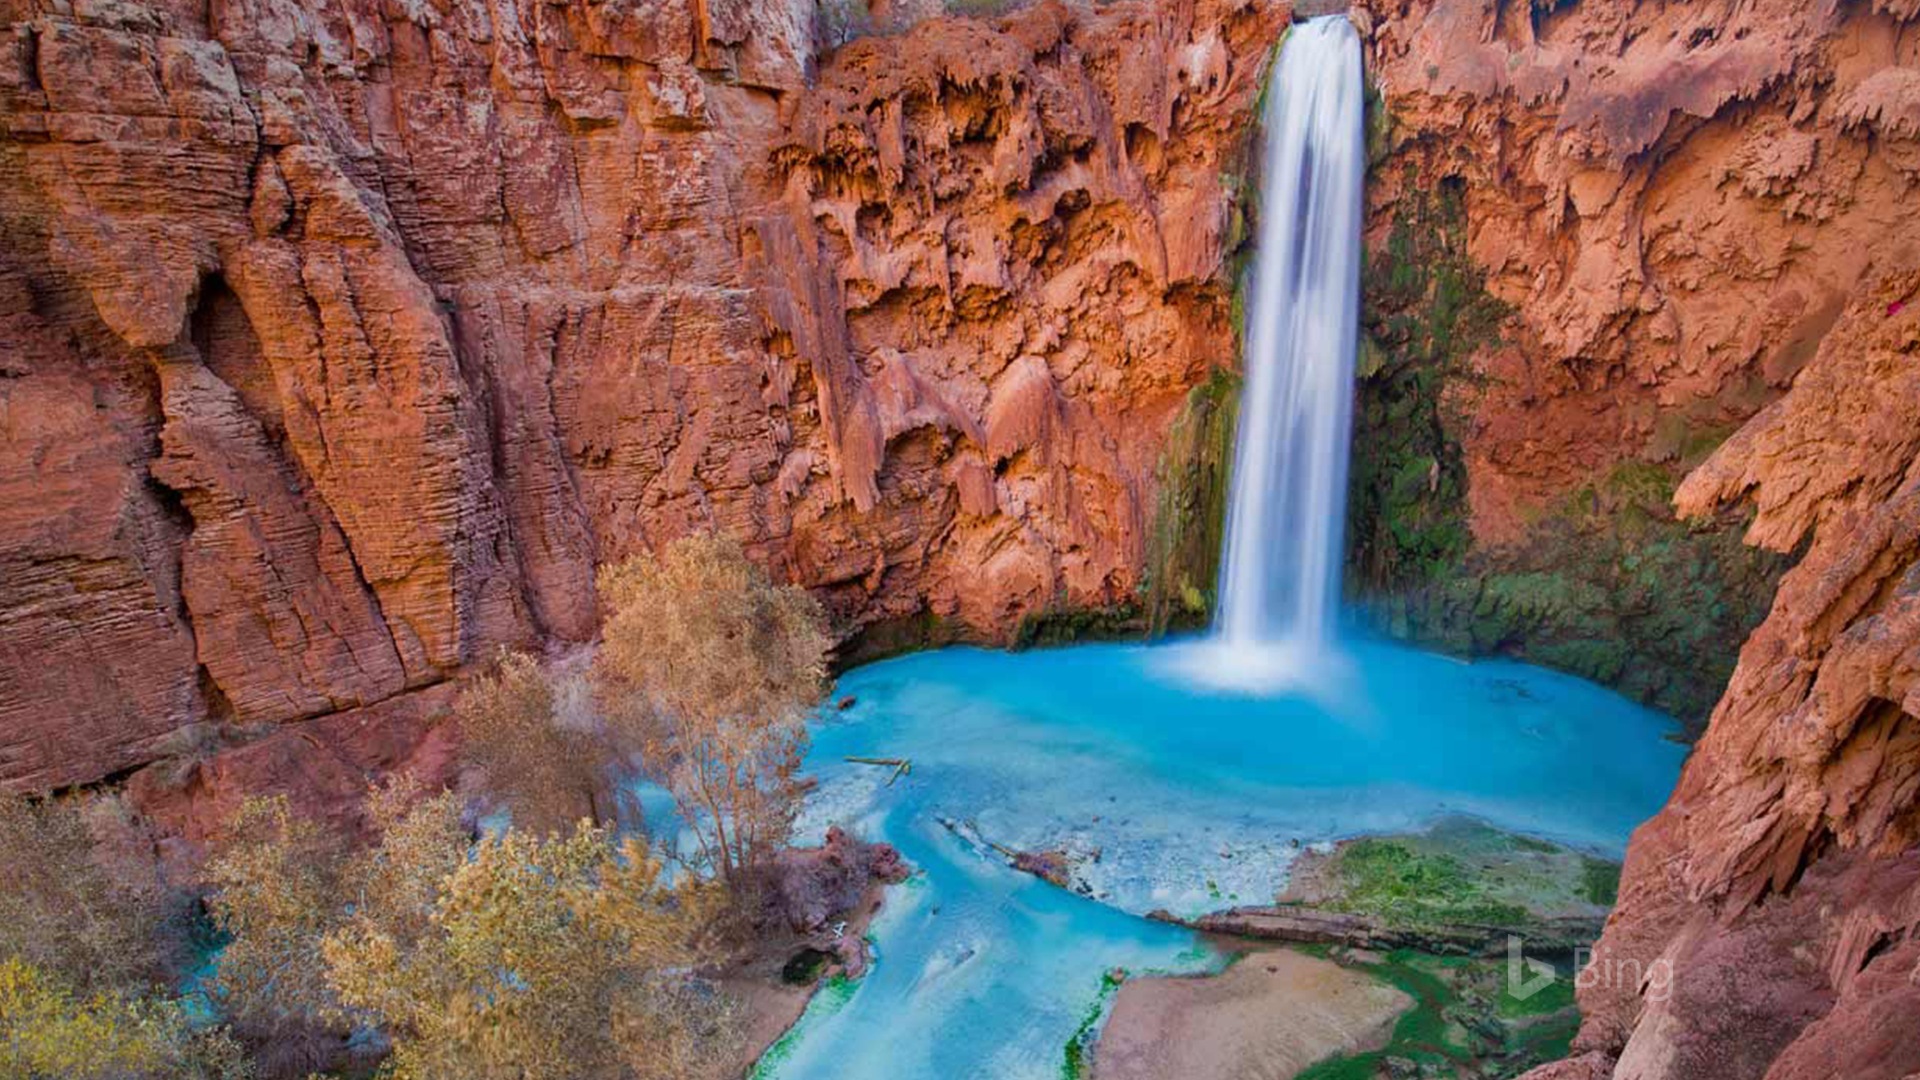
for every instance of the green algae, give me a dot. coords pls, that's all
(831, 996)
(1464, 1021)
(1076, 1057)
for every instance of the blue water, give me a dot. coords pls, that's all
(1194, 799)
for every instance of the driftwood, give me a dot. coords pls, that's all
(900, 766)
(967, 831)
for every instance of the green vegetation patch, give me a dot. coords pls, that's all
(1464, 1021)
(1391, 879)
(1600, 881)
(1076, 1058)
(1460, 872)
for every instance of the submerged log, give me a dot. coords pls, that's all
(900, 766)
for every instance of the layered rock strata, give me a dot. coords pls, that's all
(342, 342)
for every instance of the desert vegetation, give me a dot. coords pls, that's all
(91, 947)
(523, 924)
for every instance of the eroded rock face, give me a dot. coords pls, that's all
(1695, 219)
(1624, 230)
(1781, 885)
(1679, 200)
(342, 342)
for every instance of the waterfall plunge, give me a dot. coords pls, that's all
(1280, 577)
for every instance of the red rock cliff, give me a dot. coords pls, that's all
(341, 342)
(1700, 215)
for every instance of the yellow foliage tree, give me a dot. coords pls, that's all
(542, 957)
(710, 669)
(550, 770)
(521, 957)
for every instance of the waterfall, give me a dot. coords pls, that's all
(1280, 576)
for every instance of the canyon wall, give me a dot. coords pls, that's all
(340, 343)
(1627, 252)
(1604, 236)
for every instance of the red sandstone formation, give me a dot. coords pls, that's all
(1694, 207)
(1678, 199)
(1781, 885)
(341, 342)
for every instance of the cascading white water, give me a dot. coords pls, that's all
(1280, 576)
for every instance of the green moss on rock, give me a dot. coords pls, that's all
(1067, 625)
(1425, 311)
(1458, 872)
(1189, 521)
(1609, 586)
(1391, 879)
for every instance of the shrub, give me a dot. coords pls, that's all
(278, 884)
(837, 22)
(79, 910)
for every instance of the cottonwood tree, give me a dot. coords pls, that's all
(521, 955)
(549, 769)
(557, 956)
(710, 669)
